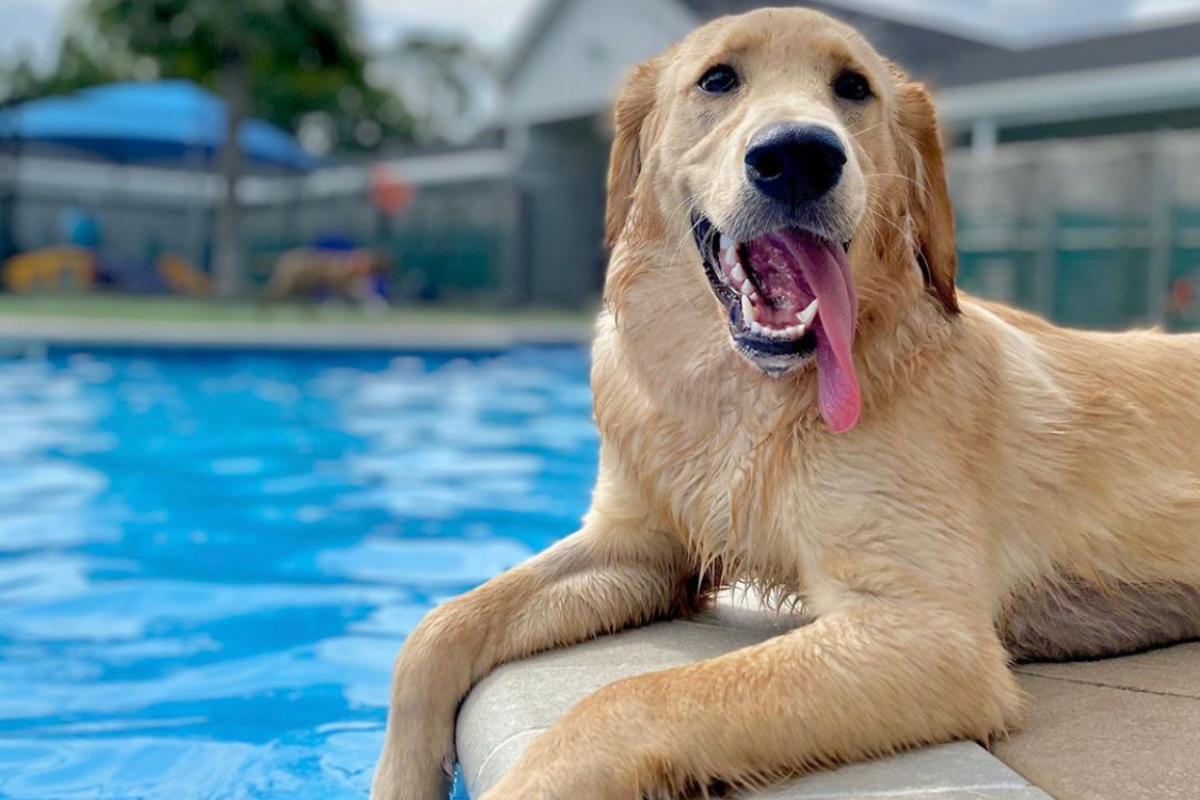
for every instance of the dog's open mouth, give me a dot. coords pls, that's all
(790, 296)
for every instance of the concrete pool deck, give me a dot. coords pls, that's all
(1121, 729)
(1113, 729)
(392, 333)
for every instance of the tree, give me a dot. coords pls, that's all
(278, 59)
(79, 65)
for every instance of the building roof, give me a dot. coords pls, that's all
(977, 73)
(539, 22)
(856, 12)
(909, 38)
(573, 54)
(947, 53)
(1139, 71)
(1125, 48)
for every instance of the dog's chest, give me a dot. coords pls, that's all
(733, 492)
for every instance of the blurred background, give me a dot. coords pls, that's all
(461, 148)
(294, 303)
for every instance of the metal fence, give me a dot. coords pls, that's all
(1101, 233)
(449, 246)
(452, 244)
(1090, 232)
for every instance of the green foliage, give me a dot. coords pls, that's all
(82, 61)
(296, 58)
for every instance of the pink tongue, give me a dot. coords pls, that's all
(827, 273)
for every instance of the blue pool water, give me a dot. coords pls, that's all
(208, 561)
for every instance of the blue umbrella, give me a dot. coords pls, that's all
(143, 122)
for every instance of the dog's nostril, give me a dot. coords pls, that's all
(767, 165)
(794, 163)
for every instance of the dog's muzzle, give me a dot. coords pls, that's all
(789, 294)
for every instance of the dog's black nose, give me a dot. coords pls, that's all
(794, 163)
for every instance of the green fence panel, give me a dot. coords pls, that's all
(1100, 279)
(450, 261)
(1183, 300)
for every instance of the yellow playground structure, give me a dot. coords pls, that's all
(64, 268)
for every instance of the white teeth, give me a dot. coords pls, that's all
(806, 316)
(750, 317)
(794, 332)
(750, 299)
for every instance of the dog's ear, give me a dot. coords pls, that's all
(928, 196)
(635, 104)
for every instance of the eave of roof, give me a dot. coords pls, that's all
(881, 9)
(1082, 94)
(1151, 67)
(1110, 51)
(538, 23)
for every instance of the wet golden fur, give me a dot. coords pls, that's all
(1010, 488)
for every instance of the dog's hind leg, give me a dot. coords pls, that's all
(612, 574)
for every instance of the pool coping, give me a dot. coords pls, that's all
(510, 708)
(398, 335)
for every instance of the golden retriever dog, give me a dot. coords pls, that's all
(311, 275)
(791, 393)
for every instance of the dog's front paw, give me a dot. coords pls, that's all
(415, 765)
(511, 788)
(400, 778)
(418, 756)
(558, 767)
(611, 746)
(556, 784)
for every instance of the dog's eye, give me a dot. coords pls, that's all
(719, 80)
(851, 85)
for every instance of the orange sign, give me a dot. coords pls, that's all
(389, 194)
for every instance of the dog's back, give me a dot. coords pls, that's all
(1097, 487)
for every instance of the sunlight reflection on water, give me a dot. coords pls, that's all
(208, 561)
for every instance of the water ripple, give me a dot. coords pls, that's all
(208, 561)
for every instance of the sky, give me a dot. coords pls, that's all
(35, 26)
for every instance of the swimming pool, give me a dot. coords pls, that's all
(208, 560)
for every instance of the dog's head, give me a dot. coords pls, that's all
(808, 172)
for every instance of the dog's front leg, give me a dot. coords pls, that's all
(863, 681)
(611, 574)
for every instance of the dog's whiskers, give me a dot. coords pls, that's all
(868, 129)
(920, 186)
